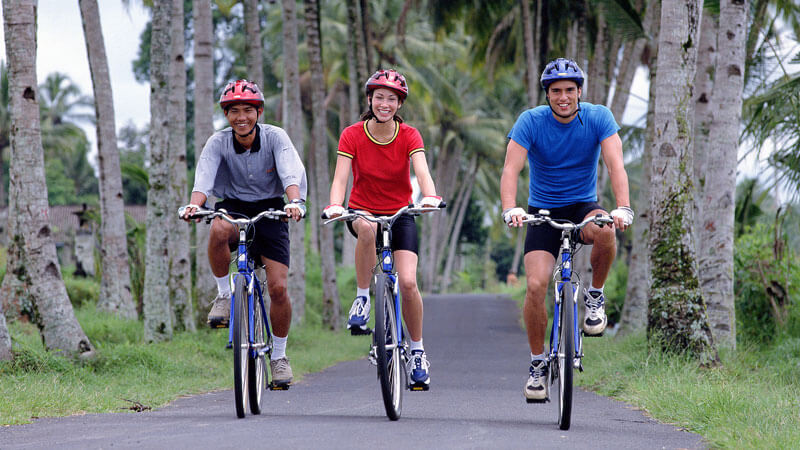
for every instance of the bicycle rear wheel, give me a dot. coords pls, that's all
(387, 344)
(566, 355)
(240, 345)
(256, 362)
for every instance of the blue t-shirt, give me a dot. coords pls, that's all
(563, 157)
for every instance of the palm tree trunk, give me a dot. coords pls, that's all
(366, 35)
(206, 288)
(5, 338)
(531, 61)
(252, 44)
(462, 206)
(180, 275)
(319, 142)
(35, 269)
(157, 312)
(718, 204)
(677, 314)
(115, 287)
(293, 123)
(634, 311)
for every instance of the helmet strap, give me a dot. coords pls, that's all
(375, 116)
(258, 115)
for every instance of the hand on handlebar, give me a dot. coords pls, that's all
(514, 216)
(332, 211)
(186, 212)
(623, 217)
(296, 209)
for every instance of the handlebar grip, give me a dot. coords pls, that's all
(443, 205)
(322, 216)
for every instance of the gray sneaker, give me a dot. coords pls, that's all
(281, 373)
(220, 313)
(536, 387)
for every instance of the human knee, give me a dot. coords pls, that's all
(407, 285)
(536, 285)
(278, 292)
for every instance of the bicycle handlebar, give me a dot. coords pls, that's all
(543, 216)
(223, 214)
(412, 210)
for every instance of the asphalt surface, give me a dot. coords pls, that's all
(479, 360)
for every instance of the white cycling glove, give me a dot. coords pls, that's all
(624, 213)
(332, 211)
(511, 212)
(296, 204)
(431, 201)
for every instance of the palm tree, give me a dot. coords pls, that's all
(677, 314)
(319, 144)
(157, 312)
(180, 276)
(115, 287)
(293, 123)
(33, 274)
(252, 43)
(206, 288)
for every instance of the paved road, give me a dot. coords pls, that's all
(478, 364)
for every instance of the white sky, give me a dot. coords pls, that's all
(61, 48)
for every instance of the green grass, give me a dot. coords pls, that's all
(41, 384)
(751, 401)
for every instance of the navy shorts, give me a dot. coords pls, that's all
(269, 237)
(403, 234)
(544, 237)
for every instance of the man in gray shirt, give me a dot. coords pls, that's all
(250, 166)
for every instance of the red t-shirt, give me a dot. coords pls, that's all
(381, 171)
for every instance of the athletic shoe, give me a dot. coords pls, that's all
(359, 315)
(281, 373)
(220, 313)
(595, 320)
(417, 368)
(536, 387)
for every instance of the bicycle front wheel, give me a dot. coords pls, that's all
(387, 343)
(566, 355)
(256, 361)
(240, 344)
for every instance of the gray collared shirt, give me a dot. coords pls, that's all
(264, 171)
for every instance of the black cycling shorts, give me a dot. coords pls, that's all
(269, 237)
(544, 237)
(403, 234)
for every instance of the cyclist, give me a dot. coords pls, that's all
(563, 142)
(251, 166)
(379, 150)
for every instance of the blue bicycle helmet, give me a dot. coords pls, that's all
(561, 69)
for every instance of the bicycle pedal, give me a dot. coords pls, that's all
(419, 387)
(592, 335)
(355, 331)
(538, 400)
(279, 387)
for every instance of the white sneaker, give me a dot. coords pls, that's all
(595, 320)
(536, 387)
(359, 314)
(417, 367)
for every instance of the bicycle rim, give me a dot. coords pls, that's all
(257, 363)
(387, 349)
(566, 355)
(240, 345)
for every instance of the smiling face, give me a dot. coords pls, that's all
(385, 103)
(242, 117)
(563, 96)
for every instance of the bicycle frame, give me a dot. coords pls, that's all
(561, 276)
(387, 267)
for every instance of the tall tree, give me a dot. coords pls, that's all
(157, 311)
(319, 145)
(5, 337)
(115, 287)
(718, 203)
(531, 56)
(252, 43)
(677, 313)
(180, 275)
(293, 123)
(33, 274)
(206, 288)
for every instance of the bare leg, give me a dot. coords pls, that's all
(222, 236)
(365, 251)
(538, 270)
(280, 311)
(604, 249)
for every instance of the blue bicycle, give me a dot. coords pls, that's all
(566, 350)
(249, 331)
(389, 351)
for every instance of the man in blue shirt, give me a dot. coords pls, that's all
(563, 143)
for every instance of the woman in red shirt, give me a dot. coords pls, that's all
(380, 150)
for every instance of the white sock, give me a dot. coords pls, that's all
(537, 357)
(278, 347)
(417, 345)
(362, 292)
(223, 285)
(594, 289)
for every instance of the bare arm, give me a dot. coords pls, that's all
(423, 174)
(611, 149)
(515, 162)
(340, 176)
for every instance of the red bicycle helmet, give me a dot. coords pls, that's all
(241, 91)
(389, 79)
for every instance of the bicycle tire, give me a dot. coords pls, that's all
(386, 335)
(257, 363)
(566, 355)
(240, 345)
